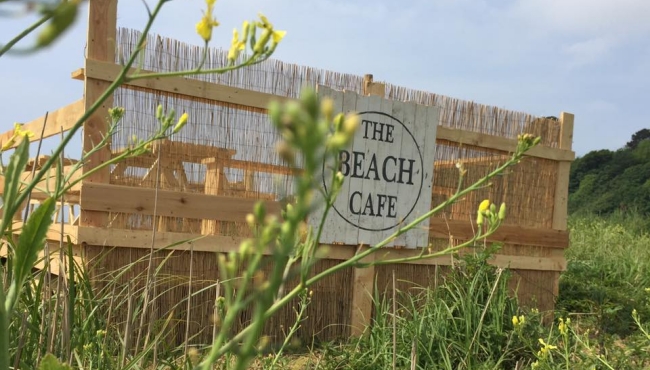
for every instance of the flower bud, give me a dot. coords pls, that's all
(259, 210)
(181, 122)
(502, 212)
(327, 108)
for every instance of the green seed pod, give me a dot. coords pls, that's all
(502, 212)
(261, 43)
(63, 16)
(259, 211)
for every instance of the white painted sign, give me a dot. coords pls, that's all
(388, 171)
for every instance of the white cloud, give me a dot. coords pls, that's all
(589, 51)
(613, 17)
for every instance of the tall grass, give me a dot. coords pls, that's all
(608, 270)
(466, 323)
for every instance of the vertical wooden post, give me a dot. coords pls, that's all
(562, 185)
(363, 279)
(102, 30)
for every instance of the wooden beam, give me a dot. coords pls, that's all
(563, 171)
(254, 99)
(127, 199)
(54, 231)
(364, 278)
(183, 86)
(500, 143)
(224, 244)
(61, 119)
(511, 234)
(100, 46)
(48, 182)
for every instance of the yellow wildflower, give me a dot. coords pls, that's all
(563, 326)
(181, 122)
(545, 349)
(236, 46)
(19, 133)
(265, 22)
(207, 22)
(278, 36)
(485, 204)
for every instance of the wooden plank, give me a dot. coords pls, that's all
(55, 257)
(261, 167)
(127, 199)
(259, 100)
(48, 182)
(116, 198)
(223, 244)
(182, 86)
(369, 188)
(511, 234)
(62, 118)
(563, 171)
(142, 239)
(100, 46)
(501, 143)
(54, 231)
(362, 293)
(554, 263)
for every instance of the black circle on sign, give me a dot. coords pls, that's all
(421, 176)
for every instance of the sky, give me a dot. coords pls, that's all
(587, 57)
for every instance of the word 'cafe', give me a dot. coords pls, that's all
(371, 166)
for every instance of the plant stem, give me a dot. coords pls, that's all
(23, 34)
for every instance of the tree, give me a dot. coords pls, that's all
(638, 137)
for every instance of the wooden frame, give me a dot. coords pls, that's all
(97, 197)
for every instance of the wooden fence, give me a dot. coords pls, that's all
(205, 180)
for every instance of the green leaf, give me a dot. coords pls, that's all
(50, 362)
(30, 243)
(15, 168)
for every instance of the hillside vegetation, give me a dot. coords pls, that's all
(604, 181)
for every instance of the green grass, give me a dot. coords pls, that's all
(465, 324)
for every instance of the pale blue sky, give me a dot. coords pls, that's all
(587, 57)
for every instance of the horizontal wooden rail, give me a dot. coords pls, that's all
(509, 234)
(127, 199)
(179, 85)
(61, 119)
(48, 183)
(223, 244)
(248, 98)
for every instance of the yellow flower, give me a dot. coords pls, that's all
(518, 322)
(545, 349)
(484, 205)
(181, 122)
(205, 26)
(207, 22)
(236, 46)
(265, 22)
(563, 326)
(19, 133)
(278, 36)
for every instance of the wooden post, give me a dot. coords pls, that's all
(564, 167)
(102, 29)
(363, 280)
(562, 186)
